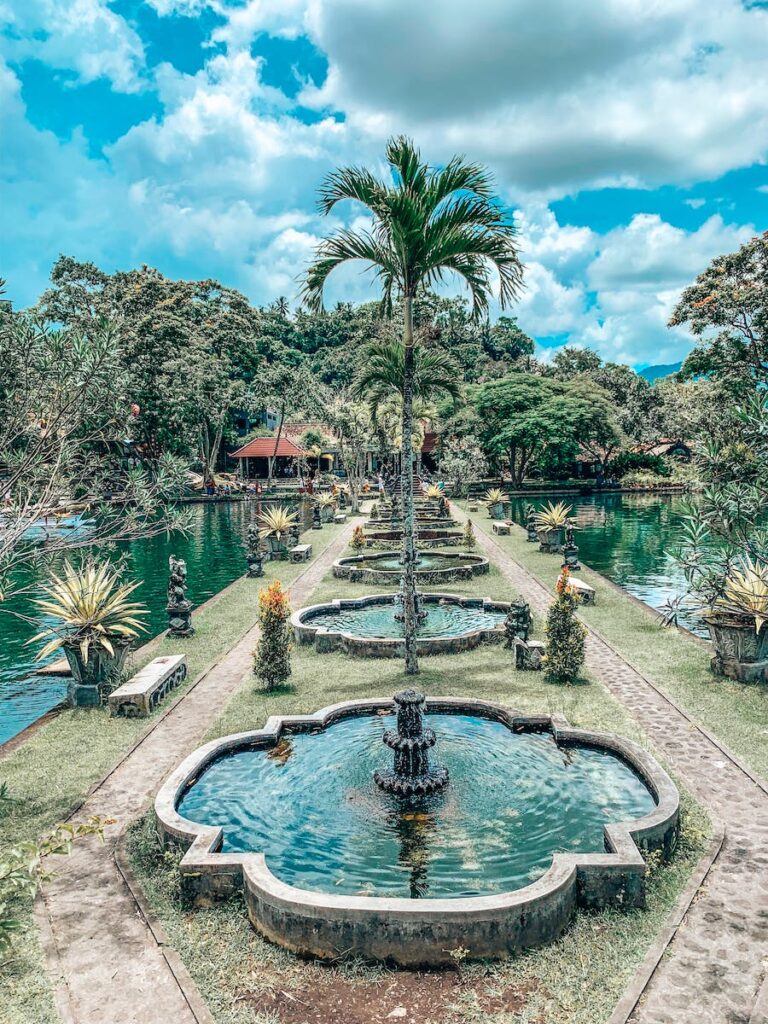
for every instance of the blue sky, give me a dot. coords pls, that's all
(631, 139)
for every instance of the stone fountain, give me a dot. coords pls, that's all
(412, 775)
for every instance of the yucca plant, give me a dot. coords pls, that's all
(324, 500)
(433, 491)
(276, 522)
(553, 517)
(92, 610)
(494, 495)
(745, 592)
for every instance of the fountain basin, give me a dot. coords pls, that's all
(317, 917)
(427, 537)
(366, 626)
(434, 567)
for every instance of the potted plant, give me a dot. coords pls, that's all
(551, 522)
(737, 620)
(494, 501)
(95, 624)
(327, 505)
(275, 524)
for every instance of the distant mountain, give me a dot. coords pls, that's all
(653, 373)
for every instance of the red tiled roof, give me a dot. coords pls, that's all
(264, 447)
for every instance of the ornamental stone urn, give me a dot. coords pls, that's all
(741, 651)
(496, 511)
(90, 678)
(552, 541)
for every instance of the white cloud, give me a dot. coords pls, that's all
(557, 96)
(84, 36)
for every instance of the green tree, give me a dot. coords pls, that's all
(524, 416)
(727, 309)
(565, 635)
(426, 222)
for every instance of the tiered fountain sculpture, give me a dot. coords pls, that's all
(421, 611)
(412, 775)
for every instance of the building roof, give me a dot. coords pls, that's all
(264, 447)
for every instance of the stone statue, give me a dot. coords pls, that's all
(342, 500)
(179, 609)
(518, 623)
(442, 508)
(530, 525)
(294, 535)
(317, 522)
(570, 551)
(254, 556)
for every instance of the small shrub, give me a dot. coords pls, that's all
(374, 509)
(358, 541)
(469, 535)
(565, 635)
(272, 657)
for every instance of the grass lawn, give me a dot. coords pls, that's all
(53, 770)
(678, 664)
(577, 980)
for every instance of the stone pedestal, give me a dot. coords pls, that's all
(571, 558)
(529, 655)
(180, 619)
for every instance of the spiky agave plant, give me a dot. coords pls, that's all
(276, 522)
(324, 500)
(553, 517)
(92, 610)
(433, 491)
(494, 495)
(745, 591)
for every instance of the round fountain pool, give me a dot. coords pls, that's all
(432, 567)
(308, 804)
(530, 820)
(367, 626)
(427, 537)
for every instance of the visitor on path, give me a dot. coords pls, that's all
(381, 485)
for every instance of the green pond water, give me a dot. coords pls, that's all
(628, 538)
(513, 799)
(378, 621)
(215, 556)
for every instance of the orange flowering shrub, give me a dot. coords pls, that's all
(272, 657)
(358, 541)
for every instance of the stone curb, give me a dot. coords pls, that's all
(320, 923)
(181, 975)
(645, 972)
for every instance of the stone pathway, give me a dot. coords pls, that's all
(715, 966)
(106, 964)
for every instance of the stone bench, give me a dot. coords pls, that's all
(143, 692)
(340, 517)
(586, 594)
(301, 553)
(502, 529)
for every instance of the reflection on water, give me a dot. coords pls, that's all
(214, 552)
(513, 800)
(629, 538)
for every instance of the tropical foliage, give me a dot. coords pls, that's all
(566, 635)
(272, 661)
(276, 522)
(553, 516)
(90, 607)
(427, 222)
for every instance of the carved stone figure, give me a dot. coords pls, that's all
(518, 623)
(254, 556)
(570, 550)
(530, 525)
(317, 522)
(179, 608)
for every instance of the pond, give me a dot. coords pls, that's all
(215, 555)
(628, 538)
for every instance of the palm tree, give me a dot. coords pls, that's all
(426, 222)
(435, 375)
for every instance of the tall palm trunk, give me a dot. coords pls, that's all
(409, 547)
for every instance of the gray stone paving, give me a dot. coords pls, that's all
(106, 962)
(716, 964)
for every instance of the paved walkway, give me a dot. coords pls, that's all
(108, 966)
(716, 964)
